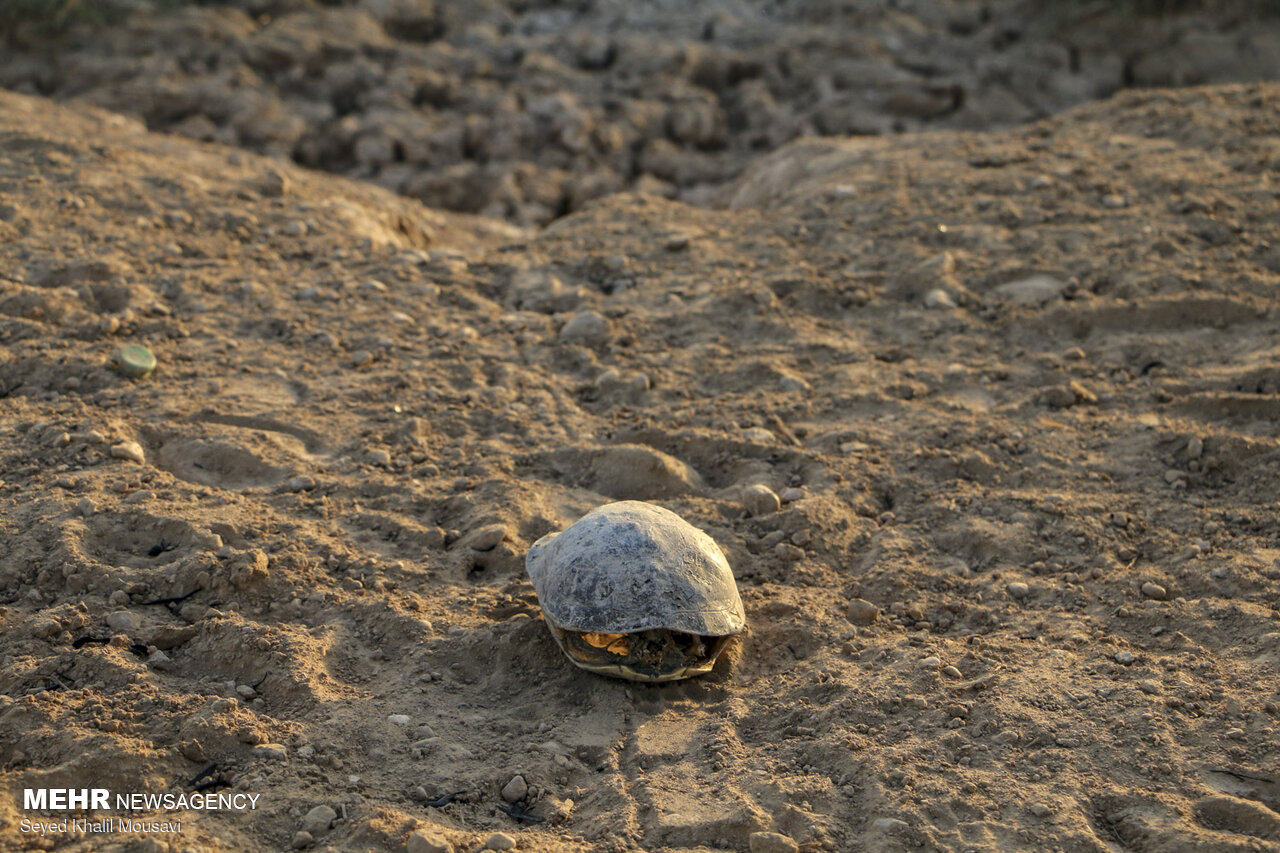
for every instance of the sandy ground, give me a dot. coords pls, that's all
(1028, 384)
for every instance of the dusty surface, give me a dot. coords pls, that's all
(1027, 383)
(528, 110)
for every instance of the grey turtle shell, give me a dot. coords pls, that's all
(632, 566)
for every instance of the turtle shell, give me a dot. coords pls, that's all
(629, 567)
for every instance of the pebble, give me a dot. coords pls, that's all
(373, 286)
(677, 242)
(123, 621)
(771, 842)
(793, 383)
(1154, 590)
(299, 484)
(318, 820)
(938, 298)
(759, 499)
(759, 435)
(788, 552)
(500, 841)
(302, 839)
(277, 751)
(398, 719)
(296, 228)
(1018, 589)
(486, 538)
(862, 612)
(1032, 291)
(129, 450)
(515, 790)
(1125, 658)
(585, 327)
(931, 662)
(888, 824)
(380, 457)
(1039, 810)
(427, 842)
(86, 507)
(136, 362)
(951, 672)
(791, 495)
(1195, 447)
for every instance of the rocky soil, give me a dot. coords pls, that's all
(526, 111)
(1018, 391)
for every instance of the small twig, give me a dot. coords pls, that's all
(443, 800)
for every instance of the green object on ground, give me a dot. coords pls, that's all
(135, 361)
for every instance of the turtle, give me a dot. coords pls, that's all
(634, 591)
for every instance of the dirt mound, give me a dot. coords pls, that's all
(527, 111)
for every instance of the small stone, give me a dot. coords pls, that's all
(399, 719)
(1195, 447)
(888, 824)
(276, 751)
(793, 383)
(759, 499)
(788, 552)
(160, 661)
(1148, 686)
(585, 327)
(938, 298)
(296, 228)
(301, 483)
(427, 842)
(1074, 354)
(130, 451)
(373, 286)
(951, 672)
(1154, 590)
(515, 790)
(759, 435)
(302, 839)
(500, 841)
(379, 457)
(136, 362)
(1039, 810)
(1032, 291)
(677, 242)
(246, 692)
(931, 662)
(192, 750)
(43, 629)
(1114, 201)
(791, 495)
(318, 820)
(1018, 589)
(862, 612)
(485, 538)
(1125, 658)
(123, 622)
(86, 507)
(771, 842)
(1118, 519)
